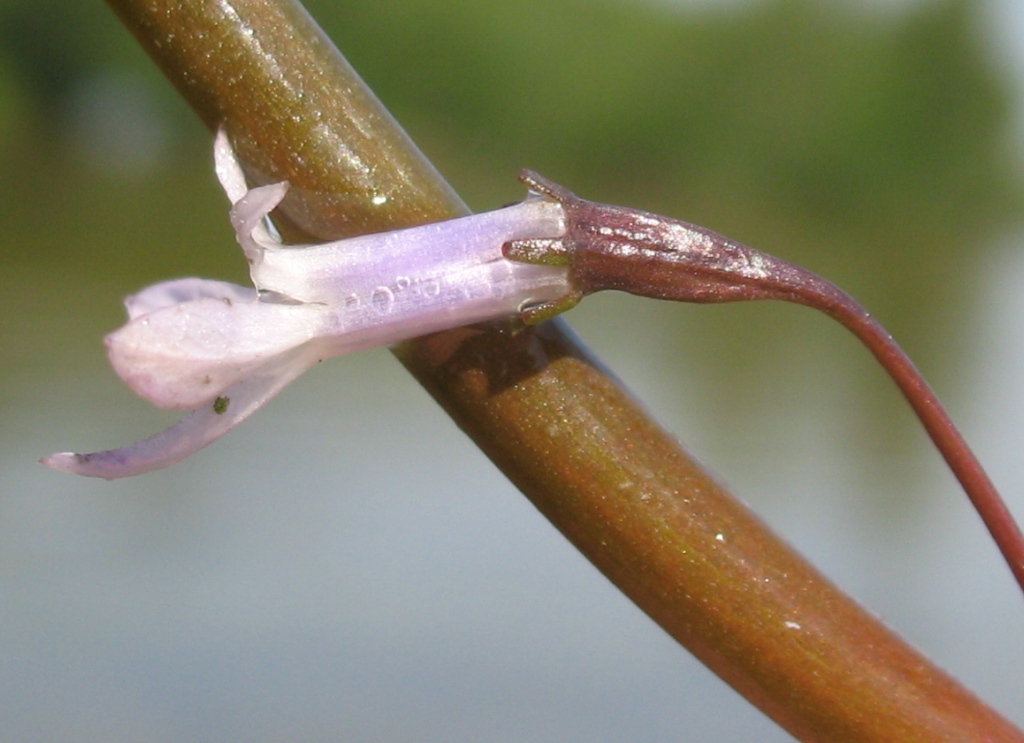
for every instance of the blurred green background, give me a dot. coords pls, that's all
(346, 566)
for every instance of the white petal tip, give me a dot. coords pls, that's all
(228, 169)
(88, 465)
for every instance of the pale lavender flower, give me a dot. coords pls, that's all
(224, 350)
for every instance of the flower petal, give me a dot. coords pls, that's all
(333, 272)
(196, 430)
(250, 207)
(170, 293)
(184, 355)
(228, 169)
(248, 217)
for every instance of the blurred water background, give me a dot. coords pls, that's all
(346, 566)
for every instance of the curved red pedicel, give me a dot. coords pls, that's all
(612, 247)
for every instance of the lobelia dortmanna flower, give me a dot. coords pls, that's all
(223, 350)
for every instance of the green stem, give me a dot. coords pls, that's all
(563, 430)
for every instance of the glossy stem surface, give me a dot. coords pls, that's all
(560, 427)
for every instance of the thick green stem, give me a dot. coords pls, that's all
(616, 484)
